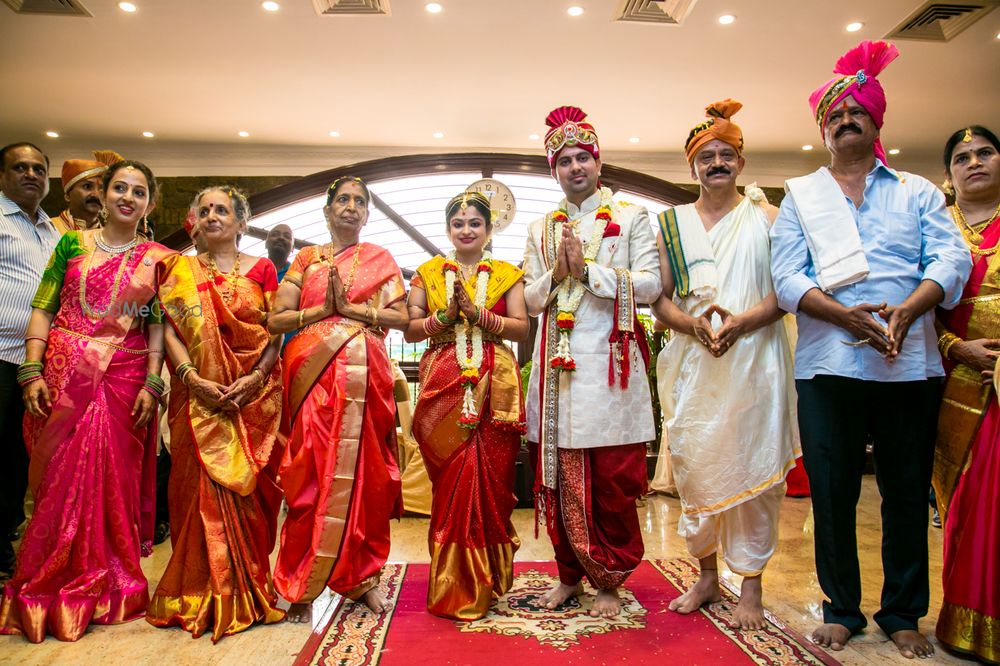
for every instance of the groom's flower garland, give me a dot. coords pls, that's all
(469, 364)
(571, 290)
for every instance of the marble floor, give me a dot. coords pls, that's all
(790, 591)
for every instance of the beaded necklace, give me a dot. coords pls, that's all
(230, 278)
(113, 250)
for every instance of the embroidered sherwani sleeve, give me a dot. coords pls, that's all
(643, 265)
(538, 292)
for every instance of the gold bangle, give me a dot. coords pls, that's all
(302, 313)
(374, 316)
(946, 342)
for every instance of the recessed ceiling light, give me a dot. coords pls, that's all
(808, 146)
(854, 27)
(533, 137)
(633, 139)
(575, 11)
(894, 151)
(243, 133)
(438, 135)
(127, 7)
(433, 7)
(334, 134)
(726, 19)
(270, 5)
(998, 35)
(148, 135)
(52, 135)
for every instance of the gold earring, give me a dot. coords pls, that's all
(947, 187)
(145, 226)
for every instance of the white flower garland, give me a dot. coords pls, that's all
(570, 291)
(469, 364)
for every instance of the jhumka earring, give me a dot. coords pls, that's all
(145, 226)
(947, 187)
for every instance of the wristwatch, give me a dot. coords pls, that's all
(586, 274)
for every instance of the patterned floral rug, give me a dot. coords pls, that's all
(520, 633)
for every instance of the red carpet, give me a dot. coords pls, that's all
(517, 633)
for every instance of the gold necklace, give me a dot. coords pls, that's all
(230, 277)
(327, 256)
(972, 237)
(115, 286)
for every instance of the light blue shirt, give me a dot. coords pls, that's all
(25, 248)
(908, 236)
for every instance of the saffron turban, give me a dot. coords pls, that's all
(74, 171)
(856, 71)
(718, 126)
(568, 127)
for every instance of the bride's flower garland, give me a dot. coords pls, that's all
(571, 290)
(469, 364)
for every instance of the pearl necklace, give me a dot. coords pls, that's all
(93, 313)
(114, 249)
(468, 363)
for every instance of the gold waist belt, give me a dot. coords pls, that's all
(128, 350)
(449, 336)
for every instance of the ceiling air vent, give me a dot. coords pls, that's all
(941, 21)
(670, 12)
(58, 7)
(350, 7)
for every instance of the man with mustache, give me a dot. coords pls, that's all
(862, 254)
(589, 411)
(726, 393)
(27, 238)
(81, 183)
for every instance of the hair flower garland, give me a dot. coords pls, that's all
(571, 290)
(469, 363)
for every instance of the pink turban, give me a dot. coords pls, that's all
(857, 69)
(568, 127)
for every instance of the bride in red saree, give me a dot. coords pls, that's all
(470, 412)
(224, 411)
(339, 471)
(90, 426)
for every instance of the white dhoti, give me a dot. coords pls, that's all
(730, 422)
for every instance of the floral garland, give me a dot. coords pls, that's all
(571, 290)
(469, 364)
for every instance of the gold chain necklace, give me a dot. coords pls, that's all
(230, 277)
(972, 237)
(93, 313)
(327, 255)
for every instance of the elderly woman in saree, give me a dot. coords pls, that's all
(91, 382)
(470, 411)
(224, 411)
(339, 471)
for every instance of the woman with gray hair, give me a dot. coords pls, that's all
(225, 405)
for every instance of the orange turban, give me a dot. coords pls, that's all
(718, 126)
(74, 171)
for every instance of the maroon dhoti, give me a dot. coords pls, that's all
(596, 528)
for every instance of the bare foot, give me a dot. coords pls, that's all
(375, 600)
(705, 591)
(912, 644)
(749, 613)
(300, 613)
(607, 603)
(833, 636)
(559, 594)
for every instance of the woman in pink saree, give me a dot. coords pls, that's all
(90, 424)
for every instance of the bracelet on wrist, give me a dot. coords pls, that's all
(28, 372)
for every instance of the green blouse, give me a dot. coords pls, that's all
(69, 246)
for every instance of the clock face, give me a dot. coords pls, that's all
(501, 201)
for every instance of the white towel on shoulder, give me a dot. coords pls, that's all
(830, 231)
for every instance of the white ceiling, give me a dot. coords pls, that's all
(484, 72)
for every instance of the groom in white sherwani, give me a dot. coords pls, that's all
(727, 392)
